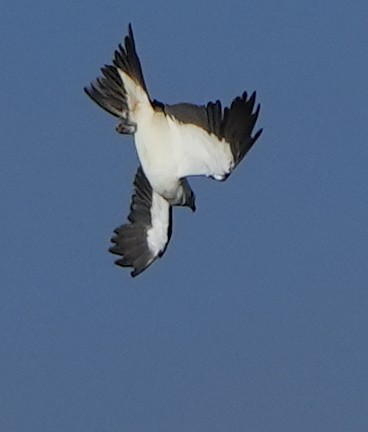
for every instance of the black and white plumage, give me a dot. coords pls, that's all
(172, 142)
(146, 237)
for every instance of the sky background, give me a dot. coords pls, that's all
(256, 318)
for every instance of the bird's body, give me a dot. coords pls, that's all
(172, 142)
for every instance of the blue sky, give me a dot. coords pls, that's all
(256, 317)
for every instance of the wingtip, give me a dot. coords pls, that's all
(252, 98)
(89, 90)
(257, 135)
(256, 112)
(130, 33)
(135, 273)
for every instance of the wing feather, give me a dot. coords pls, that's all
(143, 240)
(211, 141)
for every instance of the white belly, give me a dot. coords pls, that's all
(156, 152)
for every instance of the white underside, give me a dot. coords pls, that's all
(157, 235)
(169, 150)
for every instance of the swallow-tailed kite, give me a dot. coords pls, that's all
(172, 142)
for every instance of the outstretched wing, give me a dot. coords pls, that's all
(121, 85)
(209, 140)
(145, 238)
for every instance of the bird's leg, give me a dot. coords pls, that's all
(126, 126)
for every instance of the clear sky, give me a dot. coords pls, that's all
(256, 319)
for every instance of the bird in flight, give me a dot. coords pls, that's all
(172, 142)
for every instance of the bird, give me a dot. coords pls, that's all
(173, 142)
